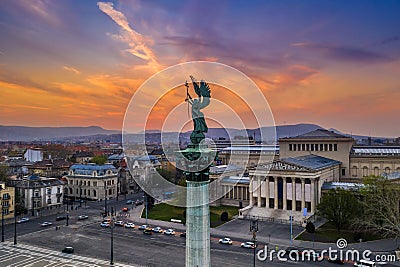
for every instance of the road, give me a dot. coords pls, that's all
(131, 246)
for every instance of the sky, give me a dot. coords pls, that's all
(79, 63)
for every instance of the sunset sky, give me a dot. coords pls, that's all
(78, 63)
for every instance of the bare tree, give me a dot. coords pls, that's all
(381, 207)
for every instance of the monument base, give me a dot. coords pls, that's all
(197, 225)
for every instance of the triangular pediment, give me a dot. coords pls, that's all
(280, 165)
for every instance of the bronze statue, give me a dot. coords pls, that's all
(203, 92)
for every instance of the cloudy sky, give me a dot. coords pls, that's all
(78, 63)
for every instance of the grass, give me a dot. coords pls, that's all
(327, 233)
(165, 212)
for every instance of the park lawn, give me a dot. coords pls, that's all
(327, 233)
(165, 212)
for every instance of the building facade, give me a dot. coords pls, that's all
(7, 196)
(39, 193)
(91, 182)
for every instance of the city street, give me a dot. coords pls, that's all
(132, 247)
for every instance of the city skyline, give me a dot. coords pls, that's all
(74, 63)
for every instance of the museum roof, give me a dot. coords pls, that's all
(225, 168)
(345, 186)
(383, 150)
(312, 162)
(318, 134)
(392, 175)
(251, 148)
(235, 180)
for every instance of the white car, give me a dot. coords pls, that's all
(225, 240)
(119, 223)
(82, 217)
(129, 225)
(43, 224)
(142, 227)
(22, 220)
(157, 230)
(105, 224)
(169, 232)
(248, 245)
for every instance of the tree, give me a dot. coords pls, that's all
(339, 206)
(3, 173)
(380, 206)
(310, 227)
(99, 160)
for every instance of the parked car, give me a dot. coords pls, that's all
(158, 230)
(83, 217)
(22, 220)
(225, 240)
(43, 224)
(247, 245)
(125, 209)
(68, 250)
(119, 223)
(139, 202)
(144, 226)
(105, 224)
(129, 225)
(148, 231)
(183, 234)
(61, 217)
(130, 201)
(169, 232)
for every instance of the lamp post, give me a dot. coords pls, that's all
(15, 216)
(80, 194)
(145, 202)
(112, 242)
(67, 218)
(105, 198)
(2, 215)
(254, 230)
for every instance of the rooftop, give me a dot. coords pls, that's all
(225, 168)
(312, 162)
(318, 134)
(346, 186)
(235, 180)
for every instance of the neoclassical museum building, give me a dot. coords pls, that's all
(292, 184)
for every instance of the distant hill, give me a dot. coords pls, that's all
(24, 133)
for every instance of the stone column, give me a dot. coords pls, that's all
(267, 192)
(303, 194)
(293, 194)
(251, 192)
(312, 195)
(197, 224)
(284, 193)
(259, 191)
(275, 193)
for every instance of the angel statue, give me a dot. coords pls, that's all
(203, 100)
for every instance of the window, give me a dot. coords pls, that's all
(312, 147)
(58, 199)
(387, 170)
(343, 172)
(376, 171)
(88, 183)
(294, 147)
(290, 147)
(303, 147)
(299, 147)
(49, 201)
(94, 183)
(325, 147)
(94, 193)
(71, 182)
(354, 171)
(316, 147)
(58, 190)
(335, 147)
(330, 147)
(365, 171)
(321, 147)
(308, 147)
(48, 191)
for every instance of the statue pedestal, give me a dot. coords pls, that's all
(197, 225)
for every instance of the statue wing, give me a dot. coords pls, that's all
(195, 86)
(205, 92)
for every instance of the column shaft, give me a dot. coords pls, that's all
(312, 196)
(284, 194)
(267, 192)
(275, 192)
(293, 194)
(303, 194)
(259, 191)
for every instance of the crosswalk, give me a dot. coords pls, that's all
(23, 255)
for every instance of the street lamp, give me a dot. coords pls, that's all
(15, 216)
(112, 241)
(80, 194)
(105, 198)
(145, 199)
(2, 215)
(254, 230)
(67, 218)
